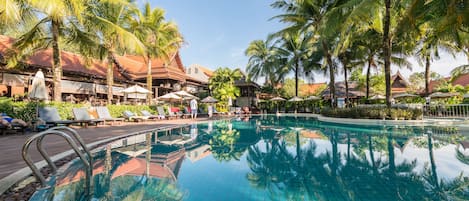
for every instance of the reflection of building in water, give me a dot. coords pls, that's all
(198, 153)
(165, 162)
(312, 134)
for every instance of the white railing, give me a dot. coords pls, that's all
(446, 111)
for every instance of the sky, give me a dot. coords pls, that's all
(217, 32)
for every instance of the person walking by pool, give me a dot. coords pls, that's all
(193, 105)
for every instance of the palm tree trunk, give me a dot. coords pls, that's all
(57, 63)
(346, 84)
(368, 74)
(149, 81)
(296, 80)
(331, 73)
(110, 76)
(387, 51)
(427, 76)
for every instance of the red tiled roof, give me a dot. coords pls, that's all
(137, 68)
(307, 89)
(462, 80)
(70, 62)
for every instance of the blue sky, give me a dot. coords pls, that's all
(218, 31)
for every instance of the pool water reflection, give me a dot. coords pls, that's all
(279, 158)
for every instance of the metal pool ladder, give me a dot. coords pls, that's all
(70, 135)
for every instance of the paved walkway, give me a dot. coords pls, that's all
(11, 145)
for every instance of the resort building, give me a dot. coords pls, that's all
(248, 91)
(89, 80)
(462, 80)
(198, 77)
(399, 84)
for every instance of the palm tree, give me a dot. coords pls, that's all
(57, 16)
(309, 17)
(263, 62)
(295, 49)
(162, 39)
(10, 12)
(109, 20)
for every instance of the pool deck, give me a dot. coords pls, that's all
(11, 145)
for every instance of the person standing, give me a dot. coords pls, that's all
(193, 105)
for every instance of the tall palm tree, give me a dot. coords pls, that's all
(50, 30)
(295, 49)
(109, 20)
(162, 39)
(10, 12)
(263, 62)
(309, 16)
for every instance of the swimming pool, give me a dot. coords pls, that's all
(277, 158)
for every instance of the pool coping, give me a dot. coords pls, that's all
(23, 173)
(463, 124)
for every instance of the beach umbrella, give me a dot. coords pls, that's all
(170, 97)
(377, 97)
(135, 90)
(442, 95)
(276, 99)
(295, 99)
(185, 95)
(38, 87)
(405, 95)
(209, 99)
(312, 98)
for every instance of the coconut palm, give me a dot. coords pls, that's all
(295, 49)
(109, 20)
(56, 17)
(162, 39)
(264, 61)
(308, 16)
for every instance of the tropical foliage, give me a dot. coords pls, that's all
(222, 84)
(369, 34)
(95, 29)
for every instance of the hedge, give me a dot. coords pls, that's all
(27, 110)
(374, 113)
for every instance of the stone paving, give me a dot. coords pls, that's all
(11, 145)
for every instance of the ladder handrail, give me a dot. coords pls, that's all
(70, 141)
(78, 138)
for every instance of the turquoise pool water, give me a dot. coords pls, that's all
(278, 158)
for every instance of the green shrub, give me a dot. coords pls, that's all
(374, 113)
(28, 110)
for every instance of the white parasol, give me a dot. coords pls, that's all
(135, 90)
(38, 88)
(378, 97)
(209, 99)
(312, 98)
(185, 95)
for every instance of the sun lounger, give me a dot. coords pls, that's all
(12, 127)
(163, 114)
(103, 113)
(171, 113)
(81, 114)
(145, 113)
(51, 116)
(130, 116)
